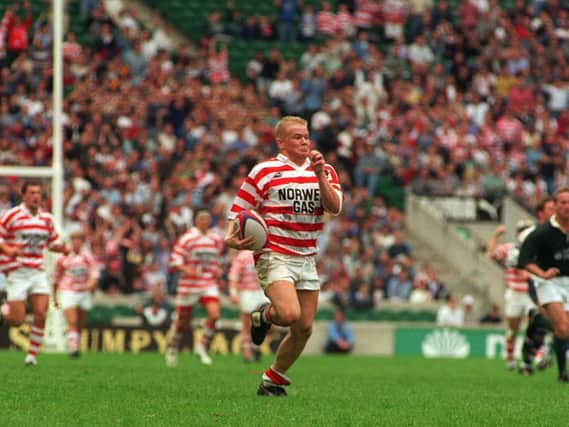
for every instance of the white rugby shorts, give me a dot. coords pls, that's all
(553, 290)
(250, 300)
(23, 282)
(517, 303)
(299, 270)
(74, 299)
(203, 296)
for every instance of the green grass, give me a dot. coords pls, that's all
(114, 389)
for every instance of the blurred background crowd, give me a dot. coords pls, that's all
(424, 97)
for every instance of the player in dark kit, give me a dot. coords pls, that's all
(545, 254)
(538, 327)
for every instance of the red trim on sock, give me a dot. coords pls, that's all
(276, 378)
(510, 347)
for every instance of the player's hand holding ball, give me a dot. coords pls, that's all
(233, 239)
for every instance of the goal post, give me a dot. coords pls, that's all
(55, 171)
(55, 326)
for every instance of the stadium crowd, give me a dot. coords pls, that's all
(468, 102)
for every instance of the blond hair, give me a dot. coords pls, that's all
(281, 128)
(560, 191)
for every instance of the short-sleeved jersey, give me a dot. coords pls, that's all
(30, 233)
(547, 246)
(507, 255)
(287, 196)
(201, 252)
(73, 271)
(243, 271)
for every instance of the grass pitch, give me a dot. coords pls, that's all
(126, 389)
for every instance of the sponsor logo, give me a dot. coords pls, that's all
(445, 343)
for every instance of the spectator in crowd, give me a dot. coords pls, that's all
(339, 335)
(468, 308)
(368, 169)
(450, 314)
(287, 19)
(156, 312)
(399, 285)
(493, 315)
(308, 23)
(420, 293)
(17, 29)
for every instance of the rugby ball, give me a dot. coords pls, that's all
(251, 224)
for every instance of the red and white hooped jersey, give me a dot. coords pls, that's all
(287, 196)
(507, 254)
(73, 271)
(201, 252)
(366, 13)
(30, 233)
(243, 271)
(326, 22)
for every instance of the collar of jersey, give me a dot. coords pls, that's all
(288, 161)
(554, 223)
(200, 233)
(27, 211)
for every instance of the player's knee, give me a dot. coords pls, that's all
(39, 318)
(302, 333)
(289, 315)
(562, 330)
(16, 321)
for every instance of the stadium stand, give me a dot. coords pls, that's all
(152, 133)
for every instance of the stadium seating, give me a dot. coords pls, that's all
(190, 17)
(392, 193)
(75, 24)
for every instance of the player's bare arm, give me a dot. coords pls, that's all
(494, 240)
(233, 292)
(11, 251)
(232, 239)
(59, 248)
(330, 199)
(91, 285)
(550, 273)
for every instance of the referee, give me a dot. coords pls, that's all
(545, 254)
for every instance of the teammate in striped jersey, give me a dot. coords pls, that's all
(196, 255)
(75, 279)
(292, 191)
(30, 230)
(516, 298)
(244, 288)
